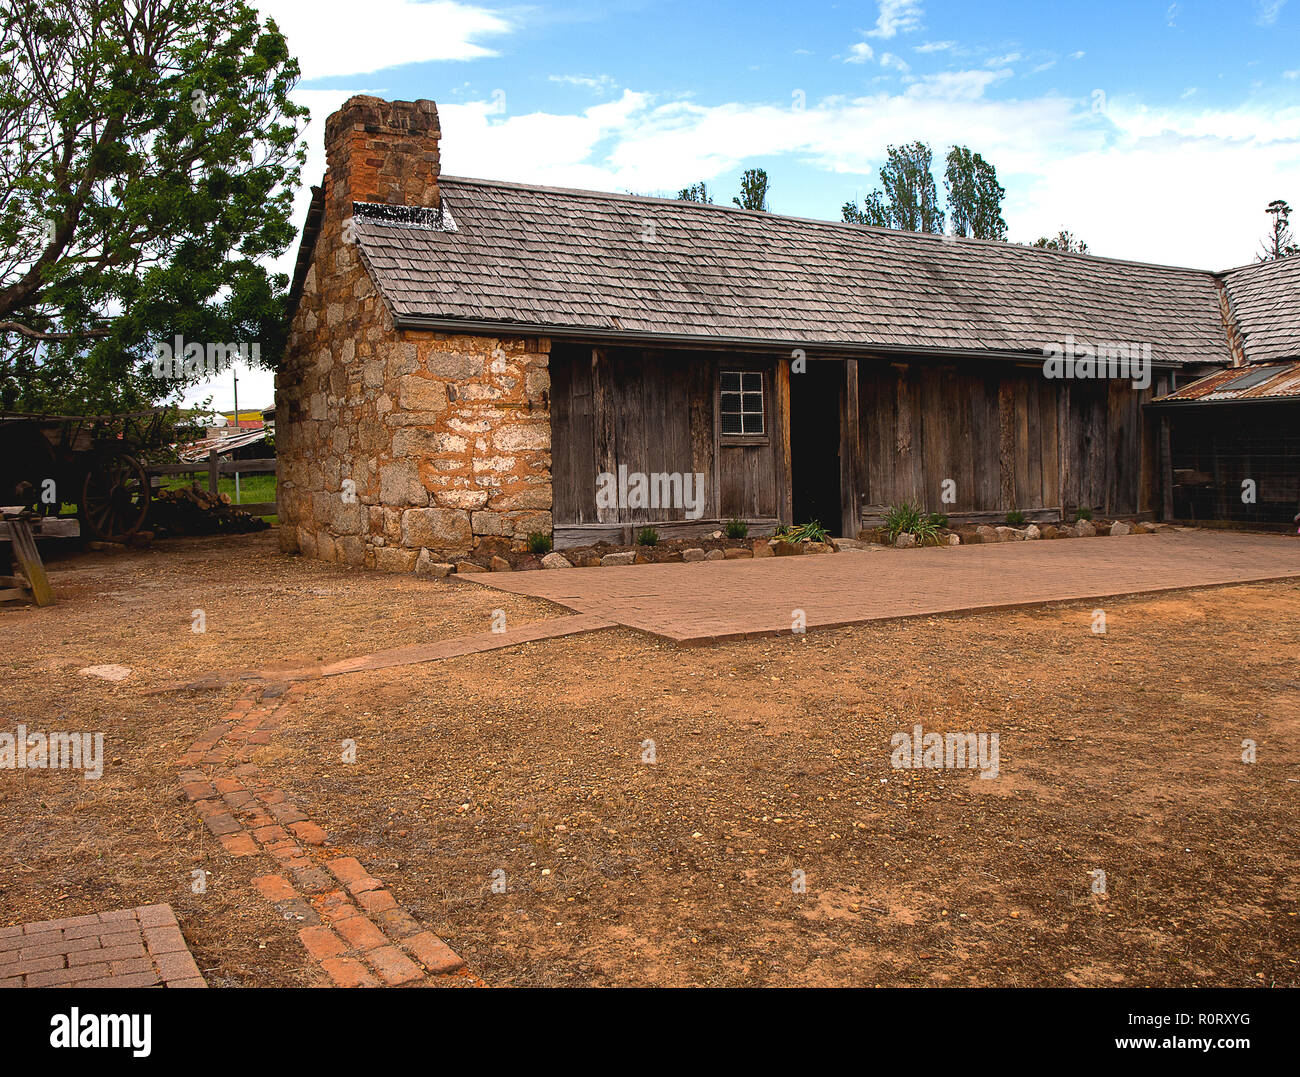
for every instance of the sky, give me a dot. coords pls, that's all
(1154, 131)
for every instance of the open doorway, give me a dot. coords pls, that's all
(815, 443)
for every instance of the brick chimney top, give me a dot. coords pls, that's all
(382, 151)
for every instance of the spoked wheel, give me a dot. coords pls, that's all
(115, 497)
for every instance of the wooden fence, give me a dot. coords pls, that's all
(216, 467)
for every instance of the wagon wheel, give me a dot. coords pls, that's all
(115, 496)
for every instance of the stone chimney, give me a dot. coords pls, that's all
(382, 151)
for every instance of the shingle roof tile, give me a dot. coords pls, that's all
(545, 258)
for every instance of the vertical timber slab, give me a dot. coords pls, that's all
(29, 561)
(851, 469)
(784, 460)
(703, 443)
(602, 424)
(1006, 444)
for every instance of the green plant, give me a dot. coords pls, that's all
(809, 532)
(904, 517)
(782, 531)
(539, 543)
(927, 532)
(647, 536)
(1083, 513)
(939, 519)
(1015, 518)
(736, 529)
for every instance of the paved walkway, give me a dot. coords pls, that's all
(713, 600)
(352, 926)
(126, 948)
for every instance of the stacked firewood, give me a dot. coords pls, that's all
(192, 510)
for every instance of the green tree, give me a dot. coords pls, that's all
(1062, 241)
(1280, 242)
(909, 199)
(753, 190)
(697, 192)
(148, 157)
(974, 196)
(872, 212)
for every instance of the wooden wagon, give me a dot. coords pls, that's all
(92, 461)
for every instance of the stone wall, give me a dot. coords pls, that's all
(393, 441)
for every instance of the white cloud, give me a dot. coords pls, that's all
(897, 17)
(1291, 74)
(957, 85)
(336, 37)
(595, 83)
(1078, 55)
(1002, 61)
(1171, 15)
(934, 46)
(889, 60)
(1047, 66)
(1267, 11)
(1119, 180)
(1189, 92)
(859, 53)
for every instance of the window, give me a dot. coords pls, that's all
(742, 402)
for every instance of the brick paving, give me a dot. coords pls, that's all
(125, 948)
(352, 926)
(712, 600)
(553, 628)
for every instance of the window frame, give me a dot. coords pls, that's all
(763, 438)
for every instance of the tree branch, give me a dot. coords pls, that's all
(36, 334)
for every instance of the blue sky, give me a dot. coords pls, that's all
(1155, 131)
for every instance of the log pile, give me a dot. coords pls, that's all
(192, 510)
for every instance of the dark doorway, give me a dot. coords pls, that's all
(815, 443)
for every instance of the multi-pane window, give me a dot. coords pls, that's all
(742, 402)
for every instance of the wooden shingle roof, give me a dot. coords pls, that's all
(556, 261)
(1265, 301)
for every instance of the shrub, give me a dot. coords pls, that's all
(809, 532)
(736, 529)
(647, 536)
(901, 518)
(939, 520)
(539, 543)
(1084, 513)
(927, 532)
(1015, 518)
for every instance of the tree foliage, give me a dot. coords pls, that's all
(753, 190)
(1062, 241)
(907, 197)
(974, 196)
(697, 192)
(1280, 242)
(148, 156)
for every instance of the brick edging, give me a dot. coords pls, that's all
(354, 928)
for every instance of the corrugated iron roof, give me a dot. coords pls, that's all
(236, 439)
(1262, 381)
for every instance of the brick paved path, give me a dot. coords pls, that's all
(352, 926)
(126, 948)
(712, 600)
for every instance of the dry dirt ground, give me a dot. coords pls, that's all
(1119, 753)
